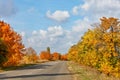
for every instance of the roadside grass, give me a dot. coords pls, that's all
(87, 73)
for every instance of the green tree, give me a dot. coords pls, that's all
(3, 52)
(48, 49)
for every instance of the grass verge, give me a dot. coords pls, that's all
(87, 73)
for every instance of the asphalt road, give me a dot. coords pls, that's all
(45, 71)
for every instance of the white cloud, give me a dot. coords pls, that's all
(34, 32)
(81, 25)
(85, 6)
(55, 31)
(75, 10)
(7, 8)
(43, 33)
(22, 34)
(55, 37)
(95, 9)
(58, 15)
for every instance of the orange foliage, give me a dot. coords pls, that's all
(45, 55)
(13, 42)
(106, 23)
(55, 56)
(63, 57)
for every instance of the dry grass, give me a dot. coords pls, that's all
(42, 61)
(87, 73)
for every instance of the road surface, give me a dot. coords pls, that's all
(45, 71)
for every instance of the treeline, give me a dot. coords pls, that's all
(30, 56)
(14, 53)
(47, 55)
(100, 47)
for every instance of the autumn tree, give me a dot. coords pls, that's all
(100, 47)
(73, 52)
(33, 55)
(45, 55)
(30, 56)
(55, 56)
(14, 44)
(64, 57)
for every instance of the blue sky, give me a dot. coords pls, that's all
(55, 23)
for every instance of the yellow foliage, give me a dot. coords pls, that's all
(100, 47)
